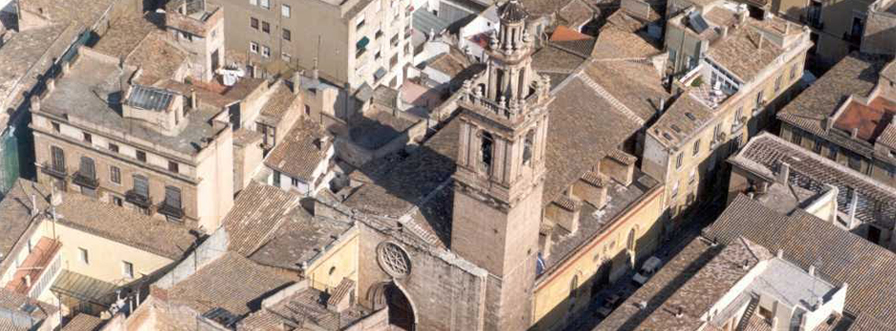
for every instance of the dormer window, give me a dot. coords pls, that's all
(485, 151)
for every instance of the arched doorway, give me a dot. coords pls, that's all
(401, 312)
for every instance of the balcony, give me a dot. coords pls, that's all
(39, 269)
(53, 170)
(171, 211)
(86, 181)
(137, 199)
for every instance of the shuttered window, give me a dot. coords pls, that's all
(58, 158)
(141, 186)
(88, 168)
(172, 197)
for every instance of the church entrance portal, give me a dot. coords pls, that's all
(401, 313)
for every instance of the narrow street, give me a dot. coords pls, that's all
(624, 287)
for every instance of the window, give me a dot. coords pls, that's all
(285, 10)
(58, 158)
(377, 55)
(117, 201)
(265, 51)
(141, 186)
(485, 151)
(359, 22)
(253, 22)
(573, 286)
(692, 176)
(83, 257)
(855, 162)
(796, 138)
(253, 47)
(717, 131)
(295, 182)
(173, 167)
(88, 138)
(265, 27)
(528, 145)
(678, 160)
(696, 146)
(172, 197)
(759, 100)
(277, 178)
(307, 110)
(141, 156)
(266, 4)
(833, 153)
(778, 84)
(817, 147)
(814, 14)
(287, 35)
(113, 147)
(793, 70)
(56, 127)
(115, 174)
(738, 114)
(672, 54)
(127, 269)
(88, 168)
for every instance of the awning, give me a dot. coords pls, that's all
(362, 43)
(84, 288)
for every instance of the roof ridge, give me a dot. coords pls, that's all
(610, 98)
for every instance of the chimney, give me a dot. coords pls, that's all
(315, 72)
(51, 85)
(775, 323)
(66, 67)
(783, 172)
(780, 254)
(33, 205)
(28, 280)
(194, 101)
(679, 313)
(854, 133)
(828, 123)
(761, 39)
(724, 31)
(35, 103)
(662, 104)
(296, 81)
(812, 270)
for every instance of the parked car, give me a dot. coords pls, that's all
(610, 303)
(647, 270)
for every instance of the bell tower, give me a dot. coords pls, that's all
(500, 170)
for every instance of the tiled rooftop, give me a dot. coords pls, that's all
(301, 151)
(869, 119)
(691, 283)
(126, 32)
(231, 282)
(279, 102)
(305, 305)
(681, 121)
(593, 222)
(853, 75)
(12, 301)
(83, 322)
(258, 211)
(84, 12)
(126, 226)
(15, 212)
(25, 55)
(877, 200)
(745, 52)
(806, 240)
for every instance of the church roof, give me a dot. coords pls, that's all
(512, 11)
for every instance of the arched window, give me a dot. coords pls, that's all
(528, 146)
(573, 286)
(88, 168)
(631, 240)
(486, 148)
(332, 270)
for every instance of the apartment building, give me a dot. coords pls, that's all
(734, 70)
(848, 116)
(353, 42)
(838, 27)
(139, 147)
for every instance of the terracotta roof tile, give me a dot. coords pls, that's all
(257, 212)
(231, 282)
(303, 148)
